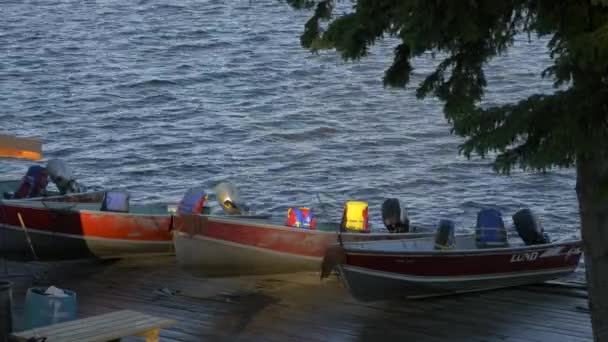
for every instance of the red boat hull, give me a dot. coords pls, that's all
(220, 246)
(381, 275)
(61, 232)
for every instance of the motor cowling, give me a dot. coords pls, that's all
(444, 236)
(33, 184)
(394, 219)
(229, 199)
(529, 228)
(61, 175)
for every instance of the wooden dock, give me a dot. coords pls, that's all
(301, 307)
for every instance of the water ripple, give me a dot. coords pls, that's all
(157, 97)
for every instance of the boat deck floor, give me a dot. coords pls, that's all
(301, 307)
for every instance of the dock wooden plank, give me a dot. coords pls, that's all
(70, 325)
(103, 327)
(125, 328)
(303, 308)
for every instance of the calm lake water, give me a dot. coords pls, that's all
(157, 98)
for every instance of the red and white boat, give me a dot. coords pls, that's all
(230, 246)
(10, 186)
(74, 227)
(414, 268)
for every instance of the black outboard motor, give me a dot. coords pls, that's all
(394, 220)
(529, 228)
(444, 237)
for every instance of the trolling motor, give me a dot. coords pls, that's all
(395, 220)
(229, 198)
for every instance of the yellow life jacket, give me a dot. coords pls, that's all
(355, 216)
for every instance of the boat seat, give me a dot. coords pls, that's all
(193, 202)
(490, 231)
(116, 201)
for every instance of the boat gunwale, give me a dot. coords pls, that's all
(456, 252)
(454, 278)
(73, 209)
(270, 225)
(259, 249)
(83, 237)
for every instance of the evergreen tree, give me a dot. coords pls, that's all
(568, 128)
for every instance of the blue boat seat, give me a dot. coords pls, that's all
(490, 230)
(193, 202)
(116, 201)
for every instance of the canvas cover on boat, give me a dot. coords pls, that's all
(116, 201)
(300, 218)
(490, 230)
(193, 202)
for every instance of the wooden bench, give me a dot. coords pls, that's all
(108, 327)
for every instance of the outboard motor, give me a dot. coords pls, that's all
(33, 184)
(529, 228)
(444, 237)
(394, 219)
(229, 198)
(61, 175)
(490, 230)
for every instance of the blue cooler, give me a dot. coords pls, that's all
(42, 309)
